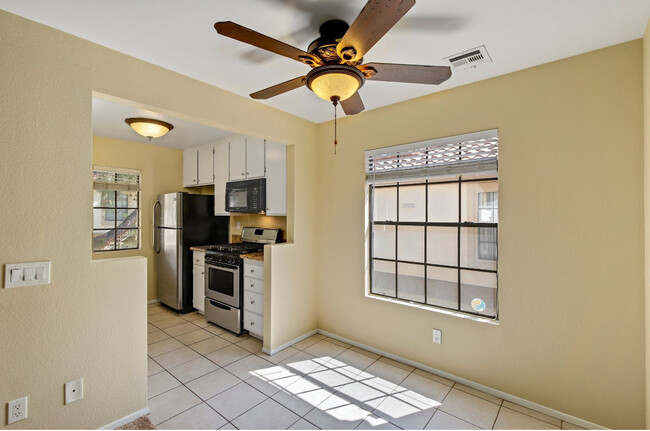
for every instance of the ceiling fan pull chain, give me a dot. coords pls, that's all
(335, 101)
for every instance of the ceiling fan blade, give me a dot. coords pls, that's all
(353, 104)
(376, 18)
(246, 35)
(292, 84)
(412, 73)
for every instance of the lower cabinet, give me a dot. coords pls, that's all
(254, 297)
(198, 281)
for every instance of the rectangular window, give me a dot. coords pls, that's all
(116, 209)
(434, 226)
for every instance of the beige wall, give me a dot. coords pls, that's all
(571, 334)
(646, 200)
(90, 321)
(162, 172)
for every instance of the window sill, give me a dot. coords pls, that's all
(487, 320)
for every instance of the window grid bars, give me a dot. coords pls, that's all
(459, 225)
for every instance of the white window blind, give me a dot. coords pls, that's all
(472, 153)
(120, 179)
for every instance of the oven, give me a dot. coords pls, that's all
(223, 287)
(222, 282)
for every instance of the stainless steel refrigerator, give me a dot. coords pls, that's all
(182, 220)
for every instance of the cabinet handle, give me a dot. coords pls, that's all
(242, 174)
(252, 271)
(248, 173)
(202, 273)
(252, 301)
(252, 285)
(252, 323)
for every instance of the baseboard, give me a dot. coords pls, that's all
(126, 419)
(508, 397)
(153, 301)
(285, 345)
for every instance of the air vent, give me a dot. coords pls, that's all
(469, 59)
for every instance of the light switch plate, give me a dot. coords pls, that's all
(74, 391)
(26, 274)
(437, 336)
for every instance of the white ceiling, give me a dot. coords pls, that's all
(180, 36)
(109, 116)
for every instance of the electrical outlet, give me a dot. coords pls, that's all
(17, 410)
(437, 336)
(74, 391)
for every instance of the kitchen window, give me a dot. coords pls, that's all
(116, 209)
(433, 217)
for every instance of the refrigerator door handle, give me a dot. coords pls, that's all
(156, 229)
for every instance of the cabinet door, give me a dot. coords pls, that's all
(237, 158)
(190, 167)
(255, 162)
(220, 177)
(276, 179)
(206, 164)
(198, 286)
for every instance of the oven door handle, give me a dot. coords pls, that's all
(223, 307)
(222, 266)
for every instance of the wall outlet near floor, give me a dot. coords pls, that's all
(437, 336)
(17, 410)
(74, 391)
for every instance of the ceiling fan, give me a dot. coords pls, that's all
(336, 57)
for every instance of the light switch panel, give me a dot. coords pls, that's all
(26, 274)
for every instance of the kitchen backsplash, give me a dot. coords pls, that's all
(256, 220)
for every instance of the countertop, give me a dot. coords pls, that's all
(254, 256)
(200, 247)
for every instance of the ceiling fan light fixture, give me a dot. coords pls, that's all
(337, 81)
(148, 127)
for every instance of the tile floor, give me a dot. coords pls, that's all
(202, 377)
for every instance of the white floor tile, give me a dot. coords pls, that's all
(302, 396)
(480, 394)
(251, 344)
(234, 338)
(181, 329)
(445, 421)
(159, 383)
(267, 415)
(396, 364)
(533, 413)
(336, 413)
(210, 345)
(194, 336)
(200, 417)
(433, 377)
(176, 357)
(169, 322)
(193, 369)
(389, 374)
(213, 383)
(280, 356)
(406, 411)
(470, 408)
(307, 342)
(325, 348)
(164, 346)
(372, 422)
(156, 336)
(355, 359)
(303, 425)
(171, 403)
(236, 400)
(227, 355)
(250, 366)
(418, 386)
(153, 367)
(510, 420)
(213, 329)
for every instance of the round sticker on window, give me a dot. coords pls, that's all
(478, 304)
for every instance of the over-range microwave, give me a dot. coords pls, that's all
(247, 196)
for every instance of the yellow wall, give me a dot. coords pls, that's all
(571, 334)
(162, 172)
(646, 189)
(90, 321)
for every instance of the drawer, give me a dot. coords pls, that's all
(254, 284)
(198, 258)
(255, 270)
(253, 323)
(254, 302)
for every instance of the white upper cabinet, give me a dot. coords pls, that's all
(206, 164)
(190, 167)
(237, 157)
(220, 176)
(276, 179)
(198, 167)
(255, 160)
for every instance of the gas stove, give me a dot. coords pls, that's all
(224, 276)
